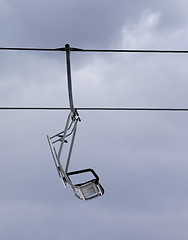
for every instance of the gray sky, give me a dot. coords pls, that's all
(140, 157)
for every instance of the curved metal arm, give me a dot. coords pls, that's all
(67, 48)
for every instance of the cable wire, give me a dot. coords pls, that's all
(32, 49)
(97, 50)
(96, 109)
(131, 51)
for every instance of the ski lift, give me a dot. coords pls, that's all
(85, 190)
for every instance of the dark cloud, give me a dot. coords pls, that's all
(81, 23)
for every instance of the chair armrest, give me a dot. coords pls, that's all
(83, 171)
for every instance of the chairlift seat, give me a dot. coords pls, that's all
(85, 190)
(89, 189)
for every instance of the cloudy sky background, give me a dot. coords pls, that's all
(140, 157)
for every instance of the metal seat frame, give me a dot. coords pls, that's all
(86, 190)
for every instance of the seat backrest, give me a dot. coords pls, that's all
(89, 190)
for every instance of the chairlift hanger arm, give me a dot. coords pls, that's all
(69, 80)
(89, 189)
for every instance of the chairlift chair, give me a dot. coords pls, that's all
(85, 190)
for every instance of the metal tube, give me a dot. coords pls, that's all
(67, 48)
(71, 146)
(62, 132)
(64, 135)
(52, 151)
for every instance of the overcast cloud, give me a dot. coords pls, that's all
(140, 157)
